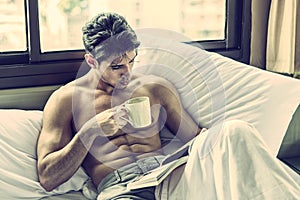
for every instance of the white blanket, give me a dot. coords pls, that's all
(231, 161)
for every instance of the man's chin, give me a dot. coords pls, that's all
(121, 85)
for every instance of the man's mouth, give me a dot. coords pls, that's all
(124, 80)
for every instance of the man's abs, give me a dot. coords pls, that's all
(107, 155)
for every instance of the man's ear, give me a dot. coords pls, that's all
(91, 61)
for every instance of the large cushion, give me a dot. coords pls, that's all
(19, 131)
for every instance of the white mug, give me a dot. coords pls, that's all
(139, 111)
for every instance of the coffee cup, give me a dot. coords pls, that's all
(138, 111)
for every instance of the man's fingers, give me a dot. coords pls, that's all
(119, 117)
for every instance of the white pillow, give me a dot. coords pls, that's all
(19, 131)
(214, 88)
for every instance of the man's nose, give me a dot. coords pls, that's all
(126, 68)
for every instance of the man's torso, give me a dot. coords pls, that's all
(128, 145)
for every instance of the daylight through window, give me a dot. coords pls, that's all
(198, 20)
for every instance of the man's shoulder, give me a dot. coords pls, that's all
(155, 86)
(59, 105)
(62, 95)
(65, 90)
(160, 84)
(154, 80)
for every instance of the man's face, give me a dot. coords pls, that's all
(118, 72)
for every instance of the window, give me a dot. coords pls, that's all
(182, 17)
(41, 39)
(12, 26)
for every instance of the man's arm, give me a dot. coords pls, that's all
(59, 155)
(178, 120)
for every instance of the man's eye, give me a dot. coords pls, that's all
(116, 67)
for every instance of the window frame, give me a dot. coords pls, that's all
(34, 68)
(238, 33)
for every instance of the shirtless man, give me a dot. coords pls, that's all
(81, 125)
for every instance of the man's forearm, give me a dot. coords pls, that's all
(58, 167)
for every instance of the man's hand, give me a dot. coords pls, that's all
(105, 124)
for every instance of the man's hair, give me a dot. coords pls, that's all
(108, 33)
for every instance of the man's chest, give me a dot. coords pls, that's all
(88, 106)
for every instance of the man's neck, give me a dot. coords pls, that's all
(99, 84)
(104, 86)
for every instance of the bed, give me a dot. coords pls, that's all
(212, 88)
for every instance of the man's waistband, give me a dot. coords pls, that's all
(130, 171)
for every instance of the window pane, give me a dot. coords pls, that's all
(61, 20)
(12, 26)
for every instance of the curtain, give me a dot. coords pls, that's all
(260, 16)
(283, 37)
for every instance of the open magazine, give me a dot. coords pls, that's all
(170, 162)
(156, 176)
